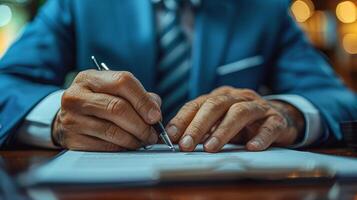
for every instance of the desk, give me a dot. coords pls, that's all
(19, 160)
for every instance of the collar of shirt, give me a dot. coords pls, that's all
(193, 3)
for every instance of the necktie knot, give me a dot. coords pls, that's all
(172, 5)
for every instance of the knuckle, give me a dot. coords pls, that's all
(240, 109)
(217, 101)
(267, 130)
(122, 78)
(191, 106)
(156, 98)
(181, 121)
(80, 76)
(201, 98)
(68, 121)
(142, 103)
(71, 97)
(111, 131)
(225, 89)
(279, 122)
(257, 107)
(196, 129)
(223, 98)
(213, 104)
(67, 99)
(117, 106)
(263, 106)
(249, 93)
(83, 75)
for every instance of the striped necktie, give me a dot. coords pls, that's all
(174, 60)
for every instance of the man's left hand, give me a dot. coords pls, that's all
(238, 116)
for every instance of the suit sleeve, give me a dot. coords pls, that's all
(300, 69)
(35, 65)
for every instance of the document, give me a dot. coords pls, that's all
(160, 163)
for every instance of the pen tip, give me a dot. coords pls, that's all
(92, 57)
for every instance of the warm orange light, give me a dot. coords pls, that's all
(302, 10)
(349, 42)
(346, 12)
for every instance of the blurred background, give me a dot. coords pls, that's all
(331, 26)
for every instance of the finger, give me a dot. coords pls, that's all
(209, 113)
(204, 138)
(246, 94)
(116, 110)
(177, 126)
(80, 142)
(156, 98)
(268, 133)
(241, 137)
(214, 127)
(109, 132)
(124, 85)
(247, 133)
(238, 116)
(223, 90)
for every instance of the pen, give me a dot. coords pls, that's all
(159, 127)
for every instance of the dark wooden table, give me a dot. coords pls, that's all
(18, 161)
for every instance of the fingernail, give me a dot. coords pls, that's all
(154, 115)
(255, 144)
(212, 144)
(172, 131)
(153, 139)
(186, 142)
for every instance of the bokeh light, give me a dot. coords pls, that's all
(302, 10)
(346, 12)
(5, 15)
(349, 43)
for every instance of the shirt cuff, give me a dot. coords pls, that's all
(36, 128)
(313, 122)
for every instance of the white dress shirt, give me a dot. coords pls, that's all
(37, 126)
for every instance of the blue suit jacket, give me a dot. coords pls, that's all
(122, 33)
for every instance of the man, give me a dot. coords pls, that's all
(211, 54)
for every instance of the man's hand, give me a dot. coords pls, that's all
(235, 115)
(106, 111)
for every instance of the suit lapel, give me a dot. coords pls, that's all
(212, 28)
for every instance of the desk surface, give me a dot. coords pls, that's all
(18, 161)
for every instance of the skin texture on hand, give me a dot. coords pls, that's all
(106, 111)
(235, 115)
(111, 111)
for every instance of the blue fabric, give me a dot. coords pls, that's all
(122, 33)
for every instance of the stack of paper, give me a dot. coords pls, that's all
(160, 163)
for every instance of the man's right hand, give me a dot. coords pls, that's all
(106, 111)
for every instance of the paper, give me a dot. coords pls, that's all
(148, 165)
